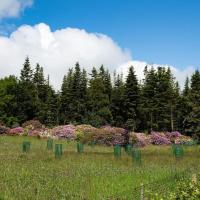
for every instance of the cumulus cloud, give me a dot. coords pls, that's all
(179, 74)
(59, 50)
(13, 8)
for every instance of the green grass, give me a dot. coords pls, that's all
(93, 175)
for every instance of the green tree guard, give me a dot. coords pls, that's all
(80, 147)
(136, 156)
(117, 150)
(26, 146)
(50, 144)
(128, 149)
(58, 150)
(178, 151)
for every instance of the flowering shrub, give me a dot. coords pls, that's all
(159, 139)
(4, 130)
(33, 124)
(16, 131)
(173, 136)
(110, 136)
(66, 131)
(139, 139)
(86, 133)
(184, 140)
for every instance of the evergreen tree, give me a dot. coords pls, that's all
(26, 72)
(192, 122)
(117, 102)
(67, 98)
(26, 96)
(98, 102)
(147, 103)
(131, 100)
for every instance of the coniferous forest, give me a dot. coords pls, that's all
(101, 98)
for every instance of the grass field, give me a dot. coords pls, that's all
(94, 175)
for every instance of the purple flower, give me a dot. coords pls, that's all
(16, 131)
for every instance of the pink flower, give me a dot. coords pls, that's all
(16, 131)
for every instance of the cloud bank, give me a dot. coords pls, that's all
(57, 51)
(13, 8)
(179, 74)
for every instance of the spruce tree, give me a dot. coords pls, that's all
(98, 102)
(192, 122)
(66, 98)
(117, 102)
(131, 100)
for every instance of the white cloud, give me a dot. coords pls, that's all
(13, 8)
(59, 50)
(56, 51)
(139, 66)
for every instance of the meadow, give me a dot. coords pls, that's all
(95, 174)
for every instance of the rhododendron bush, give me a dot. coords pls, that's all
(139, 139)
(65, 131)
(86, 133)
(159, 139)
(16, 131)
(33, 124)
(4, 130)
(106, 135)
(110, 136)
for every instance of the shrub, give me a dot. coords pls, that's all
(173, 136)
(186, 140)
(159, 139)
(86, 133)
(66, 131)
(16, 131)
(110, 136)
(139, 139)
(33, 124)
(4, 130)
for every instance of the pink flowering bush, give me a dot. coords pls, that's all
(65, 131)
(110, 136)
(139, 139)
(34, 124)
(4, 130)
(173, 136)
(159, 139)
(16, 131)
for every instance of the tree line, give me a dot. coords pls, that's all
(154, 103)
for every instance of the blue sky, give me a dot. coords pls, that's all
(157, 31)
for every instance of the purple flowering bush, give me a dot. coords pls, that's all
(108, 135)
(139, 139)
(173, 136)
(16, 131)
(159, 139)
(65, 131)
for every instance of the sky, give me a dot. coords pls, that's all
(116, 33)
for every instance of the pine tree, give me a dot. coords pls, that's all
(98, 102)
(67, 98)
(147, 103)
(27, 97)
(26, 72)
(117, 102)
(192, 122)
(131, 100)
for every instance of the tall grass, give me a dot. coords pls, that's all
(94, 175)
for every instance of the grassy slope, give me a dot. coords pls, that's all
(96, 174)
